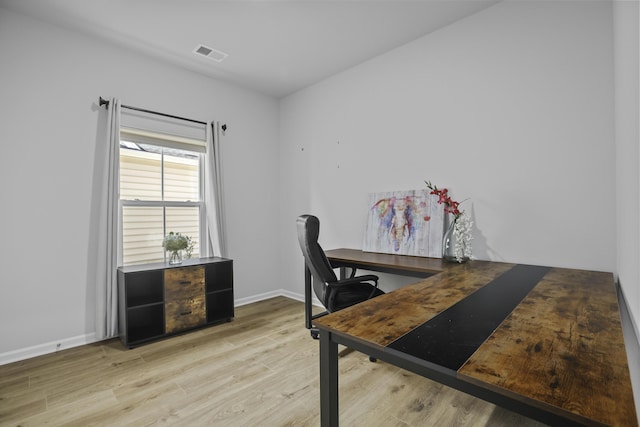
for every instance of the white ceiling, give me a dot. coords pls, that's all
(275, 47)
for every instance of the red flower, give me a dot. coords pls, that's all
(450, 206)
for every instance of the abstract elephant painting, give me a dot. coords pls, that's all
(404, 223)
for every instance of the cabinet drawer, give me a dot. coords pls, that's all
(185, 313)
(183, 282)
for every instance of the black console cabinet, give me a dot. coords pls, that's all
(160, 299)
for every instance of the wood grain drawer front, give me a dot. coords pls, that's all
(185, 313)
(183, 282)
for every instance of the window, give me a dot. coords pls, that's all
(161, 191)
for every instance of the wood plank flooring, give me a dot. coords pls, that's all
(259, 370)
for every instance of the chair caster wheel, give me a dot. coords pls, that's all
(315, 335)
(372, 359)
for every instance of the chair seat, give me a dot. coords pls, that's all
(352, 294)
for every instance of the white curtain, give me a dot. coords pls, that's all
(214, 194)
(109, 255)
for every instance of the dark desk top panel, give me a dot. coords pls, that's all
(455, 334)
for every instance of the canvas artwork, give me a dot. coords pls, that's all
(404, 223)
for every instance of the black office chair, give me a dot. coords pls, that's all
(334, 294)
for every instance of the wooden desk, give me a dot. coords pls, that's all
(544, 342)
(386, 263)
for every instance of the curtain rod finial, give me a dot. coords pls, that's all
(103, 101)
(224, 127)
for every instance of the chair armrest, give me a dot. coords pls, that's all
(369, 278)
(353, 280)
(353, 269)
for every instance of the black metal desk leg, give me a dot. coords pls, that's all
(307, 297)
(328, 380)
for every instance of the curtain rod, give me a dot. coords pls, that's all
(103, 101)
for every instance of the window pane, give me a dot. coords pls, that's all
(142, 235)
(181, 176)
(140, 174)
(161, 175)
(186, 221)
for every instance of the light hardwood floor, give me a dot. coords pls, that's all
(259, 370)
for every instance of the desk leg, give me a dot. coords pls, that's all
(328, 380)
(307, 297)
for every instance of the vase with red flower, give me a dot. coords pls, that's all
(456, 242)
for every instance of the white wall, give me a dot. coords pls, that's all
(627, 153)
(50, 81)
(627, 113)
(511, 108)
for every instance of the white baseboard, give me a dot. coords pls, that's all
(267, 295)
(46, 348)
(54, 346)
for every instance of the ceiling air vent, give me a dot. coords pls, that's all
(210, 53)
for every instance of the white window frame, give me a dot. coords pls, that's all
(165, 204)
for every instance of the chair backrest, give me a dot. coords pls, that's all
(321, 271)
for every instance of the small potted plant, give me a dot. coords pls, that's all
(176, 243)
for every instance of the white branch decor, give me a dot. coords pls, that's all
(463, 230)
